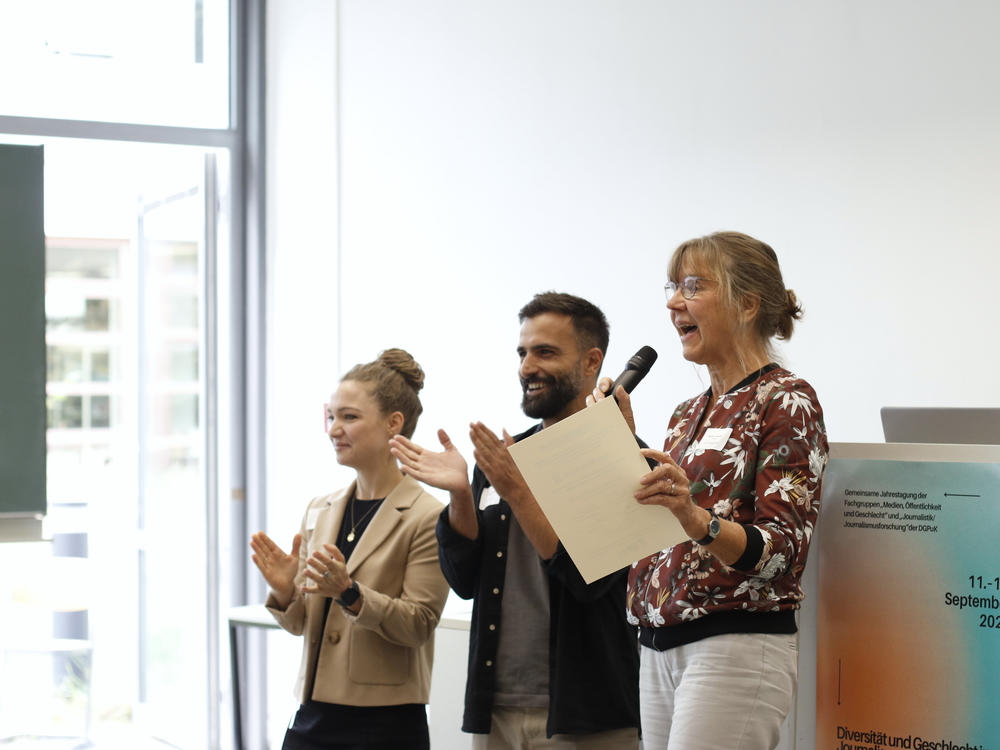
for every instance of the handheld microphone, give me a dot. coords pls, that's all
(634, 371)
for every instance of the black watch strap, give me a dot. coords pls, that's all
(714, 527)
(349, 595)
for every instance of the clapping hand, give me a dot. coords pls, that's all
(327, 569)
(278, 569)
(446, 470)
(493, 457)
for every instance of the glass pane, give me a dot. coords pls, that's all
(65, 412)
(124, 297)
(81, 262)
(183, 362)
(65, 363)
(181, 311)
(158, 62)
(175, 259)
(100, 365)
(174, 414)
(100, 411)
(174, 480)
(97, 314)
(77, 312)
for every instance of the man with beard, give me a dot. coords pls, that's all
(552, 660)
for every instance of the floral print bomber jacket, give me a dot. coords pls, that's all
(766, 476)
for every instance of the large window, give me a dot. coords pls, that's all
(109, 627)
(158, 62)
(127, 288)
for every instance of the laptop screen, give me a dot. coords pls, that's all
(929, 424)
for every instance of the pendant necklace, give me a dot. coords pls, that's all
(354, 525)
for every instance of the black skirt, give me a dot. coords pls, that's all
(330, 726)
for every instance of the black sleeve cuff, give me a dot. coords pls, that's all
(448, 537)
(755, 547)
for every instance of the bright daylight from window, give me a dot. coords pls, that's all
(102, 625)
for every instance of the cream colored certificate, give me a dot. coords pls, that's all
(583, 471)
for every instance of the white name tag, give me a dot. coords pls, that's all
(715, 438)
(488, 498)
(311, 517)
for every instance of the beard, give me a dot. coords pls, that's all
(561, 390)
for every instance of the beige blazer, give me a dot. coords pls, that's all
(383, 655)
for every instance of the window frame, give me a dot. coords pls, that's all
(244, 140)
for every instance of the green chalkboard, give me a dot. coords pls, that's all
(22, 334)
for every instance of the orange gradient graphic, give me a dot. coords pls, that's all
(886, 662)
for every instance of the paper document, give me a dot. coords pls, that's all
(583, 471)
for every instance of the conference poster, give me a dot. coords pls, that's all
(909, 606)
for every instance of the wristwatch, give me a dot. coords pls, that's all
(714, 527)
(349, 595)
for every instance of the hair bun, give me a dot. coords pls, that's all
(794, 309)
(402, 362)
(785, 322)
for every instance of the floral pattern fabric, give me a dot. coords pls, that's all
(767, 476)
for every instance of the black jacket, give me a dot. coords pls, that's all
(593, 652)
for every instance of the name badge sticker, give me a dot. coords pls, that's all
(488, 498)
(715, 438)
(311, 517)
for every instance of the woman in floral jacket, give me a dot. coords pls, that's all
(741, 470)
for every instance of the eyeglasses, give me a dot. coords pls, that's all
(689, 286)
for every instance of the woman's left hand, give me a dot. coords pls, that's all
(328, 571)
(667, 485)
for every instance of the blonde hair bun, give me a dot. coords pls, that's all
(402, 362)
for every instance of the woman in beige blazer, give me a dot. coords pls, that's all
(362, 581)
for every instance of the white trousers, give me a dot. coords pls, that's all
(729, 691)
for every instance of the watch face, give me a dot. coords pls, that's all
(714, 527)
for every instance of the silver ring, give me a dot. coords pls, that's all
(326, 575)
(671, 492)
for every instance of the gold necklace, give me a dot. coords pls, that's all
(354, 525)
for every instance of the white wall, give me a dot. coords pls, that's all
(489, 150)
(494, 149)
